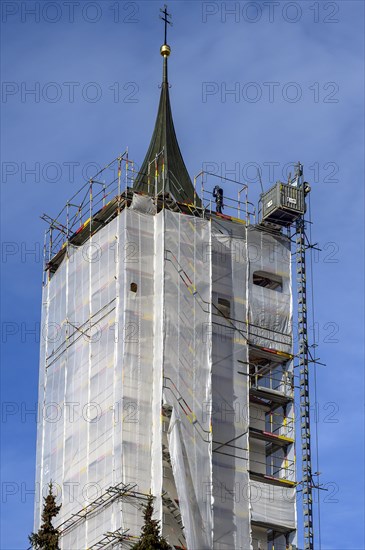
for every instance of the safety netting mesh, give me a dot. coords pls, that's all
(157, 311)
(97, 375)
(187, 369)
(230, 387)
(273, 505)
(270, 295)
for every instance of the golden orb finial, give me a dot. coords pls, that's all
(165, 50)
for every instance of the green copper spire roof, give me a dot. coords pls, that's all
(164, 151)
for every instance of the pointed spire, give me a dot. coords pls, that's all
(163, 161)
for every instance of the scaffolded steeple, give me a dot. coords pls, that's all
(192, 391)
(163, 166)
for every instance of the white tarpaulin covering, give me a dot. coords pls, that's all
(187, 368)
(156, 309)
(230, 391)
(99, 375)
(273, 505)
(270, 310)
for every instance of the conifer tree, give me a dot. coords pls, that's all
(151, 539)
(47, 536)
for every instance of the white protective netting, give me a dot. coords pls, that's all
(77, 416)
(136, 363)
(157, 309)
(230, 390)
(273, 505)
(270, 310)
(41, 397)
(187, 368)
(99, 373)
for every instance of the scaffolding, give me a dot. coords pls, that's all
(268, 368)
(111, 538)
(284, 206)
(303, 358)
(239, 209)
(110, 190)
(94, 205)
(272, 391)
(112, 494)
(108, 497)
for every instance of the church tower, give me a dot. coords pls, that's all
(167, 361)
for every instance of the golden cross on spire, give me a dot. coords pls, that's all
(165, 18)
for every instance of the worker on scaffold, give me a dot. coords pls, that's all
(218, 195)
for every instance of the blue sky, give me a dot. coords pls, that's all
(296, 69)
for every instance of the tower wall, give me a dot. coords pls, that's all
(97, 376)
(230, 383)
(187, 368)
(270, 310)
(158, 313)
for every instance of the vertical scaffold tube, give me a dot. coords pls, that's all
(119, 177)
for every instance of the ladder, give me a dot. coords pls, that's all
(111, 494)
(304, 401)
(111, 538)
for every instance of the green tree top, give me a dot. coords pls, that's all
(151, 539)
(47, 536)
